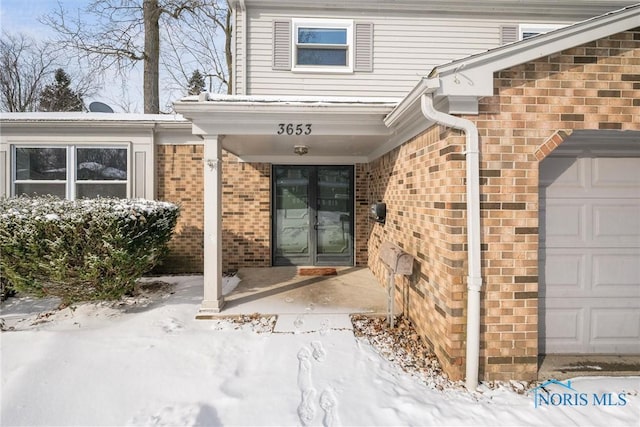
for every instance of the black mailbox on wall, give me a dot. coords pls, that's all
(379, 212)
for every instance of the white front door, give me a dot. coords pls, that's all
(590, 254)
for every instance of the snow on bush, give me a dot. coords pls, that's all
(89, 249)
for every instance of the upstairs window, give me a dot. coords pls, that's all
(317, 46)
(322, 45)
(527, 31)
(514, 33)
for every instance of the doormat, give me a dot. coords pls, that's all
(317, 271)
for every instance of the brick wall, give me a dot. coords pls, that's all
(179, 178)
(362, 223)
(595, 86)
(246, 217)
(422, 183)
(245, 204)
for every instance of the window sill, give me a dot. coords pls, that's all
(322, 70)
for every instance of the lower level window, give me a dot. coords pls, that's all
(72, 172)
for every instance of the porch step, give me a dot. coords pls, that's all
(306, 323)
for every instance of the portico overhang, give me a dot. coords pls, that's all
(266, 129)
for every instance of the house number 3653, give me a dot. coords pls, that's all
(294, 129)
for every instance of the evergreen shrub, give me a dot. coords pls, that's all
(82, 250)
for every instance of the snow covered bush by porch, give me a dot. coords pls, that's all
(89, 249)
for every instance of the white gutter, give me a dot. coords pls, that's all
(474, 277)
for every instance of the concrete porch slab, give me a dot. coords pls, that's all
(281, 290)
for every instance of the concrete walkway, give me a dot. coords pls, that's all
(281, 290)
(561, 367)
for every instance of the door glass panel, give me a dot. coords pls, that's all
(292, 211)
(333, 211)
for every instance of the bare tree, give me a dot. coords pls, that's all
(26, 65)
(193, 43)
(124, 32)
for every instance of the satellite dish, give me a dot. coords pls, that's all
(100, 107)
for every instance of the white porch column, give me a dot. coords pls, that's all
(213, 298)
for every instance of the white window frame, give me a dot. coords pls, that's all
(71, 179)
(343, 24)
(536, 28)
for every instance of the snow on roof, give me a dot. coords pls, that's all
(84, 117)
(266, 99)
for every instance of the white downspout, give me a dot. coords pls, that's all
(474, 277)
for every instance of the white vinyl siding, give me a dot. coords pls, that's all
(239, 55)
(405, 48)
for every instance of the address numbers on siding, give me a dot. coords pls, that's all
(294, 129)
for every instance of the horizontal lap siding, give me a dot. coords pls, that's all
(239, 55)
(398, 62)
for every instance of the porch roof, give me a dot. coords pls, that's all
(266, 128)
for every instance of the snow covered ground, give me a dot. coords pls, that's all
(146, 361)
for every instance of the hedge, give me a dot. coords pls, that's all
(82, 250)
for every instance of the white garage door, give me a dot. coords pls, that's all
(590, 253)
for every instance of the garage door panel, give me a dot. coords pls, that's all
(563, 172)
(617, 175)
(587, 325)
(564, 329)
(616, 223)
(563, 273)
(590, 255)
(616, 273)
(615, 330)
(564, 223)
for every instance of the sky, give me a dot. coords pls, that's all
(146, 361)
(21, 16)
